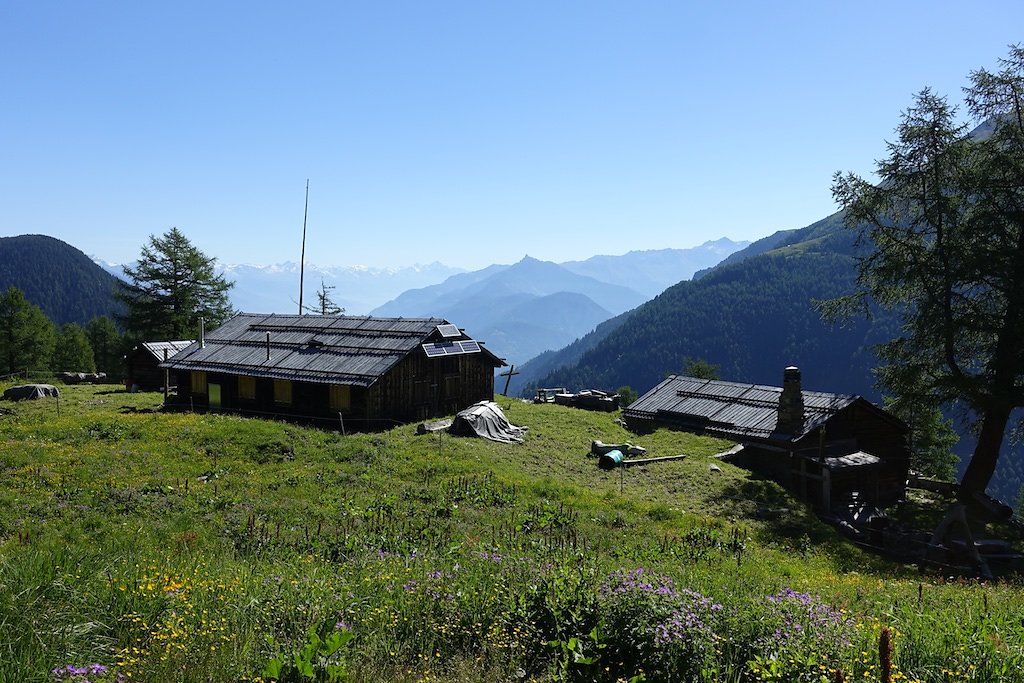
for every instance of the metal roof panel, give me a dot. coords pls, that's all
(341, 349)
(731, 407)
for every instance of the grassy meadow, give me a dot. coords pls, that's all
(137, 545)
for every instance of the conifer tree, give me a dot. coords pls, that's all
(944, 238)
(171, 287)
(72, 352)
(26, 334)
(107, 345)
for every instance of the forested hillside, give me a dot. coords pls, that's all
(60, 279)
(758, 247)
(751, 318)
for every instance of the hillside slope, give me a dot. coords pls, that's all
(440, 558)
(752, 317)
(57, 277)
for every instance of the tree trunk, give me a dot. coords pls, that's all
(986, 451)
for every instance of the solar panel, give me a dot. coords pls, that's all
(451, 348)
(447, 331)
(434, 350)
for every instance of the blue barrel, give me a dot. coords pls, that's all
(610, 460)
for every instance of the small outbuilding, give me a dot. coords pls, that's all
(825, 447)
(363, 371)
(142, 364)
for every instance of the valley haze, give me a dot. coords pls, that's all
(360, 289)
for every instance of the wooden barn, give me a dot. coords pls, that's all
(364, 372)
(824, 447)
(142, 364)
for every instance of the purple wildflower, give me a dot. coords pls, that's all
(78, 674)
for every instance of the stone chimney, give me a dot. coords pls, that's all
(791, 402)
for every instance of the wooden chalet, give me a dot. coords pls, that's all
(362, 371)
(825, 447)
(142, 364)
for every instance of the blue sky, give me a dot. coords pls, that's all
(463, 132)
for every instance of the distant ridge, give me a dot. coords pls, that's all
(65, 283)
(652, 270)
(358, 289)
(519, 310)
(534, 306)
(752, 315)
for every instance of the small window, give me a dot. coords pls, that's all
(341, 397)
(247, 388)
(198, 382)
(282, 391)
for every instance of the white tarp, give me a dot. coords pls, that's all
(485, 419)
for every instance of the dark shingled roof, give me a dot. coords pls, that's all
(742, 411)
(352, 350)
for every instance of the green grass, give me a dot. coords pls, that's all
(182, 547)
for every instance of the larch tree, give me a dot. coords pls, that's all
(73, 352)
(324, 304)
(171, 287)
(26, 334)
(943, 238)
(107, 345)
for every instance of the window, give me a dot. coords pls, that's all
(341, 397)
(247, 388)
(282, 391)
(198, 382)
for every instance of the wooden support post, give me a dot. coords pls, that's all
(826, 490)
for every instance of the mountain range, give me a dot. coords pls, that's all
(650, 272)
(415, 290)
(534, 306)
(752, 316)
(520, 310)
(357, 289)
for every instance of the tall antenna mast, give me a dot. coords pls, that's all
(302, 258)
